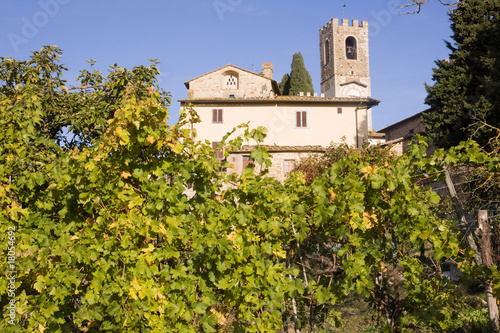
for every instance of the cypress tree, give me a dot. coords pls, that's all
(466, 93)
(285, 84)
(299, 78)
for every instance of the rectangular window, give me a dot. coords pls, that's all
(219, 153)
(247, 160)
(339, 110)
(288, 166)
(301, 119)
(216, 116)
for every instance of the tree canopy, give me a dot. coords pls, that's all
(285, 85)
(299, 79)
(465, 97)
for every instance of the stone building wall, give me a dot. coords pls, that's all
(409, 127)
(336, 69)
(282, 162)
(249, 85)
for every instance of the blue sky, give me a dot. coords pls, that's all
(192, 37)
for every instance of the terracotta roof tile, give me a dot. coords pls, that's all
(285, 99)
(276, 148)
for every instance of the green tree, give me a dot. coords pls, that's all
(285, 85)
(465, 97)
(299, 79)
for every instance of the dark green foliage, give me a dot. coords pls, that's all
(466, 93)
(83, 110)
(299, 79)
(285, 85)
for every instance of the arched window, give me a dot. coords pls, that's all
(230, 80)
(327, 52)
(351, 51)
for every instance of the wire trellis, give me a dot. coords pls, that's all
(469, 201)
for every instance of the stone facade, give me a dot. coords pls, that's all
(233, 82)
(283, 159)
(344, 56)
(400, 134)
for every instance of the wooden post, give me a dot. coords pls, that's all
(461, 215)
(484, 234)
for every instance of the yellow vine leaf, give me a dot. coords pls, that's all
(332, 194)
(162, 229)
(221, 319)
(178, 147)
(368, 170)
(367, 221)
(231, 236)
(125, 174)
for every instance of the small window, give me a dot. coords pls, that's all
(351, 48)
(219, 153)
(339, 110)
(216, 116)
(288, 166)
(247, 160)
(301, 119)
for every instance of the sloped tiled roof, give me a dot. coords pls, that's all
(284, 99)
(276, 148)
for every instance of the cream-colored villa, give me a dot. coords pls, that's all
(297, 125)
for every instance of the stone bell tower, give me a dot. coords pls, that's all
(345, 70)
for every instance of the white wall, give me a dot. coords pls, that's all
(324, 124)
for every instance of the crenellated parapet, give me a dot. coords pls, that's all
(345, 23)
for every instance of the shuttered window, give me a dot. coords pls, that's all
(216, 116)
(219, 153)
(301, 119)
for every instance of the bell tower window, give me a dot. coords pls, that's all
(351, 48)
(327, 52)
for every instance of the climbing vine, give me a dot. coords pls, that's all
(134, 226)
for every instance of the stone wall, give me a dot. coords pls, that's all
(249, 84)
(278, 159)
(339, 69)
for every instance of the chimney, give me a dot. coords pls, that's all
(190, 94)
(267, 70)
